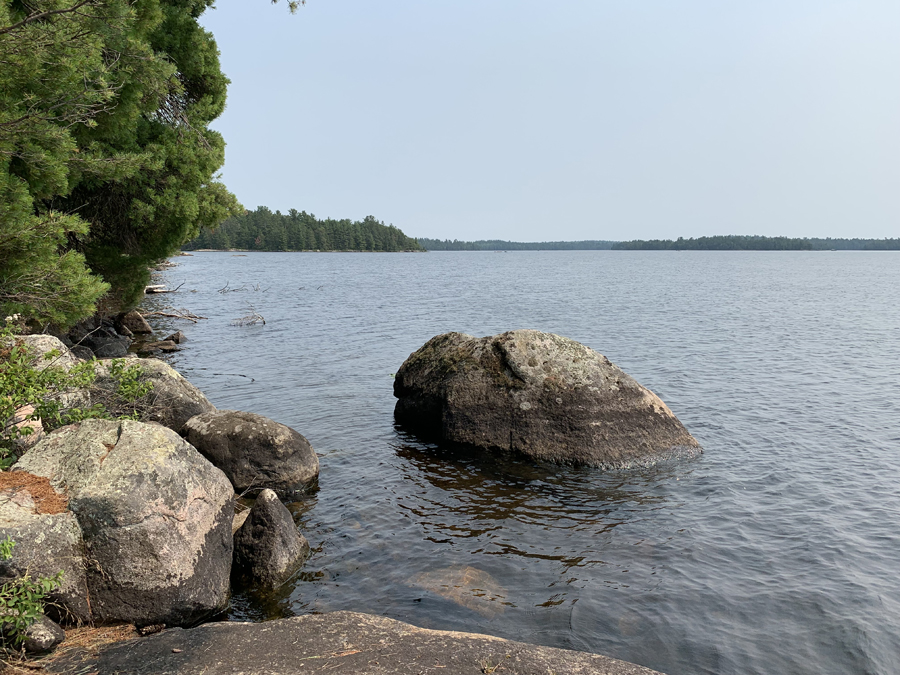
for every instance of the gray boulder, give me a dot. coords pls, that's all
(172, 402)
(42, 636)
(109, 347)
(268, 549)
(155, 516)
(177, 337)
(46, 543)
(41, 345)
(253, 451)
(538, 394)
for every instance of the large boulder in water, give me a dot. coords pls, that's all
(172, 401)
(538, 394)
(254, 451)
(155, 516)
(268, 549)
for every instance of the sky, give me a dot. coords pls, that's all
(570, 119)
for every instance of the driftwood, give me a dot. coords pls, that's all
(176, 314)
(250, 319)
(161, 288)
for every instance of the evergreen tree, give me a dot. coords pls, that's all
(104, 106)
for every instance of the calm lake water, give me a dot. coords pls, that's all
(777, 551)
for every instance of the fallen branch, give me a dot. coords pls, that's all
(176, 314)
(250, 319)
(160, 288)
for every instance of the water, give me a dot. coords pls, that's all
(777, 551)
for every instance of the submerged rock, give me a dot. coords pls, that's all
(254, 451)
(268, 549)
(539, 394)
(466, 586)
(155, 516)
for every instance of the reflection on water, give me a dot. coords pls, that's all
(774, 552)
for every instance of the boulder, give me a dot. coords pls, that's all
(101, 337)
(83, 353)
(42, 636)
(538, 394)
(30, 428)
(254, 451)
(41, 345)
(47, 540)
(268, 549)
(466, 586)
(49, 351)
(155, 516)
(134, 322)
(178, 337)
(161, 346)
(172, 402)
(108, 347)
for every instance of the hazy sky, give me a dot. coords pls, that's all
(568, 119)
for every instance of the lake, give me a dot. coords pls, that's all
(776, 551)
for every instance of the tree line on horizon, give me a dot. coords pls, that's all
(501, 245)
(265, 230)
(757, 243)
(714, 243)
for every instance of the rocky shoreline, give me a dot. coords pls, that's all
(144, 527)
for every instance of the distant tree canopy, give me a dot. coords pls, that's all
(500, 245)
(264, 230)
(757, 243)
(856, 244)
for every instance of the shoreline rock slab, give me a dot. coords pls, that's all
(268, 549)
(336, 643)
(537, 394)
(154, 514)
(254, 451)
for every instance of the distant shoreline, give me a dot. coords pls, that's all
(716, 243)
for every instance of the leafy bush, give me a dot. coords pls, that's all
(54, 392)
(22, 600)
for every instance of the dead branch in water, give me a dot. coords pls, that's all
(176, 314)
(160, 288)
(227, 289)
(250, 319)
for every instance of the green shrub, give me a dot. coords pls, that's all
(51, 388)
(22, 600)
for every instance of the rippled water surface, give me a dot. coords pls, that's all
(777, 551)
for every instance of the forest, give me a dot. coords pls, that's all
(267, 230)
(500, 245)
(757, 243)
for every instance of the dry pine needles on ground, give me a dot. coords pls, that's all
(46, 499)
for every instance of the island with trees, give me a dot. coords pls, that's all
(501, 245)
(265, 230)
